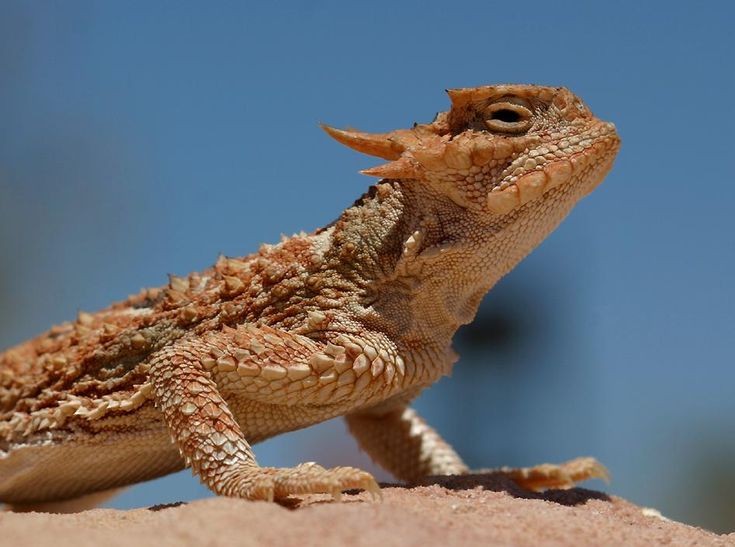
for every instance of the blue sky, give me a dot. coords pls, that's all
(143, 138)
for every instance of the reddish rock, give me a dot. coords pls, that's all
(457, 511)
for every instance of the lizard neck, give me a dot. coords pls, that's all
(421, 263)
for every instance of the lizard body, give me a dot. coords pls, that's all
(354, 319)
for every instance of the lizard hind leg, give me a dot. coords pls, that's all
(72, 505)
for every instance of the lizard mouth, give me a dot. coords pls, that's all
(590, 161)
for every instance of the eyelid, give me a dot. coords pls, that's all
(517, 107)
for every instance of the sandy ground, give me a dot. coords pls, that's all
(482, 510)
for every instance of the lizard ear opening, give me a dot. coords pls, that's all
(381, 145)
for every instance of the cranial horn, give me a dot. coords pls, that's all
(460, 96)
(373, 144)
(404, 168)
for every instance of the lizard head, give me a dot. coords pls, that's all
(497, 148)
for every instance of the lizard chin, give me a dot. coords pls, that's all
(588, 167)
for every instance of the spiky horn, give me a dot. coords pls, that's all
(373, 144)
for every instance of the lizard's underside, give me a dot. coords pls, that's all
(354, 319)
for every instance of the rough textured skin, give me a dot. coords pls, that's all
(354, 319)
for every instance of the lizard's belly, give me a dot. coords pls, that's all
(127, 449)
(260, 421)
(63, 466)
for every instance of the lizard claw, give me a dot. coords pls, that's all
(271, 483)
(564, 475)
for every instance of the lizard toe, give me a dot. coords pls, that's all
(311, 478)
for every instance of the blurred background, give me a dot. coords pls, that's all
(143, 138)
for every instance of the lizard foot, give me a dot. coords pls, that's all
(269, 483)
(565, 475)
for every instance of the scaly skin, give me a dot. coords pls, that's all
(354, 319)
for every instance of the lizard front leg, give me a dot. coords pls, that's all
(205, 430)
(401, 442)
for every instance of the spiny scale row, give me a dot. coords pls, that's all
(71, 405)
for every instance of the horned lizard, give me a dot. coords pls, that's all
(353, 319)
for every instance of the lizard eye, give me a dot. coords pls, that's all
(507, 117)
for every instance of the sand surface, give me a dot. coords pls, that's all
(484, 510)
